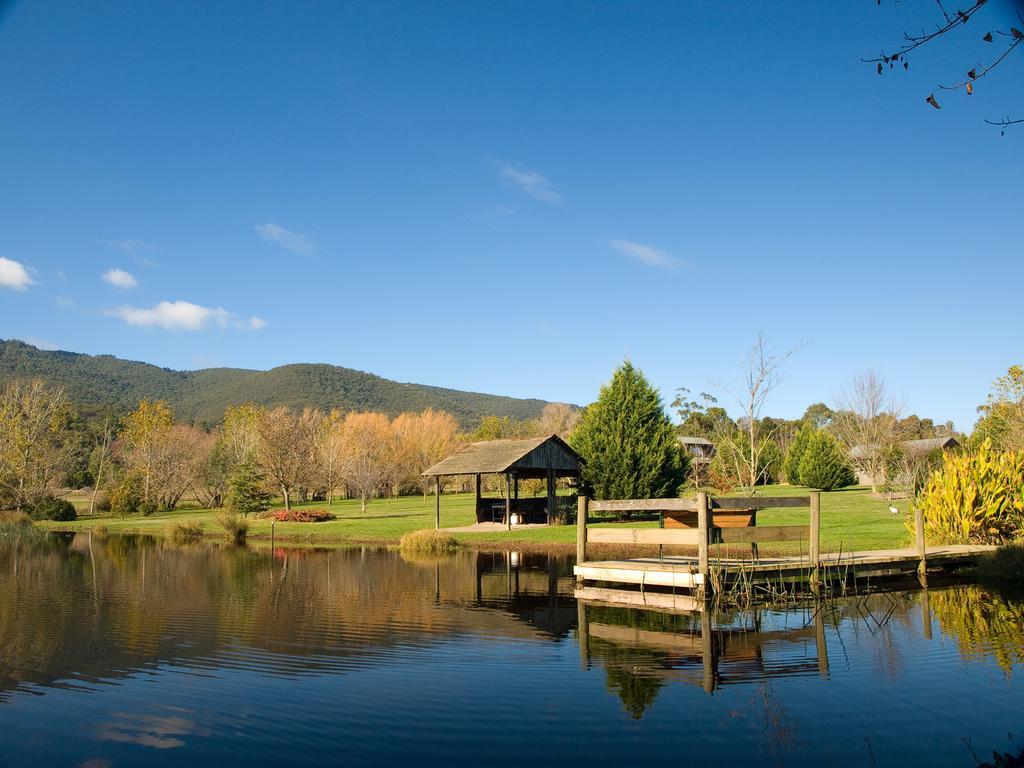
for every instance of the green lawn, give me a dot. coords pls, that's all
(850, 520)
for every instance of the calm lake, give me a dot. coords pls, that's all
(129, 651)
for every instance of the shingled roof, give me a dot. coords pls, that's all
(525, 456)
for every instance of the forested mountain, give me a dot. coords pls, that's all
(102, 381)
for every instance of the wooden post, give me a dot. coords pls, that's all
(703, 537)
(926, 614)
(583, 633)
(819, 642)
(552, 496)
(922, 566)
(814, 539)
(508, 502)
(476, 509)
(437, 502)
(707, 643)
(582, 510)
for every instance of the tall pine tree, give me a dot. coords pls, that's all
(627, 442)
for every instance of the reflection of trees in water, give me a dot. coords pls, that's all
(984, 623)
(95, 608)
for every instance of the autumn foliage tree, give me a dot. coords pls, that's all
(36, 441)
(366, 452)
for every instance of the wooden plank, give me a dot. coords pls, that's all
(646, 638)
(759, 502)
(627, 575)
(723, 519)
(616, 535)
(661, 602)
(761, 533)
(644, 505)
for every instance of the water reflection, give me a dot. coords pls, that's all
(360, 640)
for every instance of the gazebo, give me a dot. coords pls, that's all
(546, 458)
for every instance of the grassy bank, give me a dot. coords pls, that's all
(850, 519)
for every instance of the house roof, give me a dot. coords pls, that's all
(912, 447)
(526, 456)
(694, 440)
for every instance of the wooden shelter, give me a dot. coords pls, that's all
(545, 458)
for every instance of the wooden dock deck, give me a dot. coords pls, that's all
(704, 521)
(684, 572)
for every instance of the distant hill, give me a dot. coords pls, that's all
(102, 381)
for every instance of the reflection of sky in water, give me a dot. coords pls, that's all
(207, 655)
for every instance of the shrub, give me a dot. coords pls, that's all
(235, 526)
(428, 542)
(102, 501)
(185, 531)
(791, 465)
(302, 515)
(148, 508)
(824, 464)
(976, 497)
(52, 508)
(126, 497)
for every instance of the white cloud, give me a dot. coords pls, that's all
(184, 316)
(119, 278)
(296, 242)
(530, 182)
(13, 275)
(647, 255)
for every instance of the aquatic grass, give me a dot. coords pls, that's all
(186, 532)
(234, 525)
(428, 542)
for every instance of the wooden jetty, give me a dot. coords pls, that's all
(703, 521)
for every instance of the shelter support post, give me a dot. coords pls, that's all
(508, 502)
(552, 498)
(437, 502)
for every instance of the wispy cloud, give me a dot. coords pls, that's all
(647, 255)
(39, 343)
(296, 242)
(132, 246)
(184, 316)
(13, 275)
(530, 182)
(119, 278)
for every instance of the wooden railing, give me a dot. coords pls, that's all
(704, 532)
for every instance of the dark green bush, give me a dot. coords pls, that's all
(824, 464)
(52, 508)
(148, 508)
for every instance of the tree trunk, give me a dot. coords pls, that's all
(287, 500)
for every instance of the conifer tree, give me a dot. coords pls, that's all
(627, 442)
(246, 490)
(824, 464)
(795, 454)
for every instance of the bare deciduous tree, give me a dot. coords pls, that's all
(762, 373)
(367, 452)
(867, 419)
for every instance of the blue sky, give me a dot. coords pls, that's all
(512, 197)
